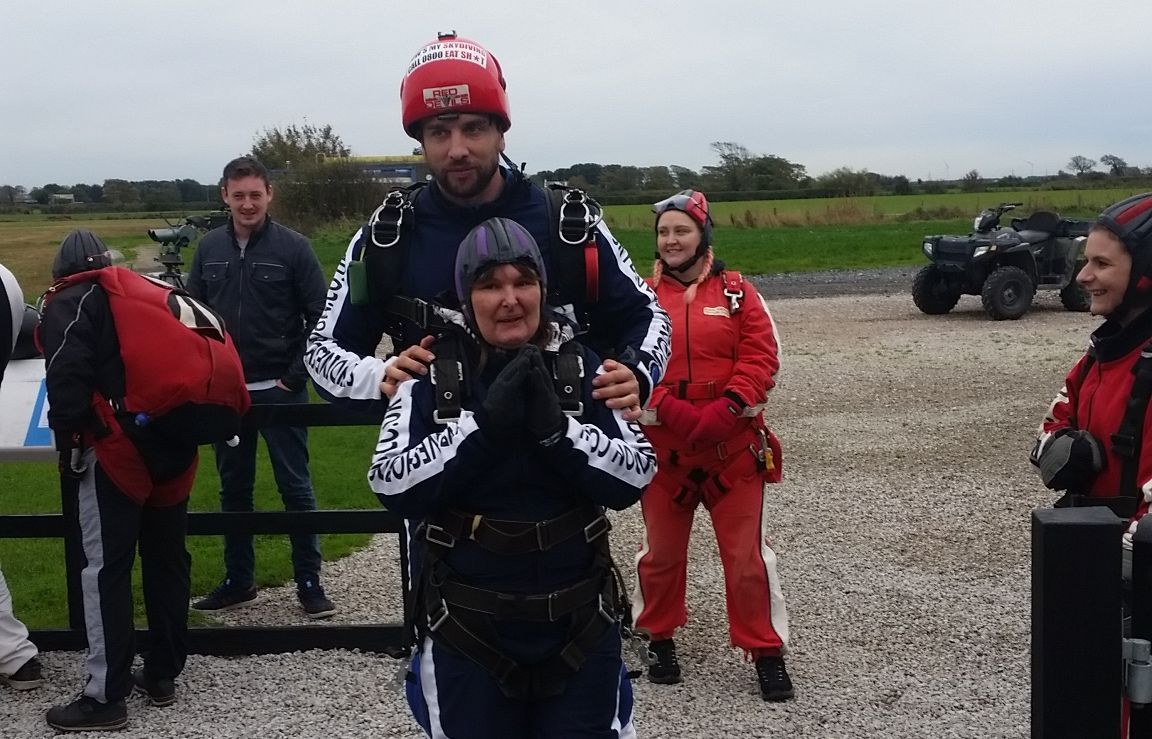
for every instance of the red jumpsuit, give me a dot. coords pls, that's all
(714, 350)
(1095, 401)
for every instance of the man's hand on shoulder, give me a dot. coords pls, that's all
(408, 365)
(618, 387)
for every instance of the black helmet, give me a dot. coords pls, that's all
(495, 241)
(1130, 221)
(26, 337)
(80, 251)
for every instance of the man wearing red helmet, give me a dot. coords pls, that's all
(454, 102)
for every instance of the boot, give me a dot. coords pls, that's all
(86, 714)
(666, 671)
(772, 676)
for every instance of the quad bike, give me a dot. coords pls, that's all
(1004, 266)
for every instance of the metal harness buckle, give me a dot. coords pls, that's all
(605, 613)
(733, 298)
(582, 223)
(600, 526)
(438, 535)
(551, 602)
(543, 537)
(398, 201)
(436, 620)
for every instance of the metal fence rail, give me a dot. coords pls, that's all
(390, 638)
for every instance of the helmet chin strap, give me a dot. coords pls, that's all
(688, 263)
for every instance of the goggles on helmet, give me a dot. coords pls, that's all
(688, 201)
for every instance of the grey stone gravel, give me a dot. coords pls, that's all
(902, 528)
(886, 281)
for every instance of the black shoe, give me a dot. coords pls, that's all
(313, 600)
(161, 692)
(225, 597)
(87, 714)
(29, 676)
(666, 671)
(775, 685)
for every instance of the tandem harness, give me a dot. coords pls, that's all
(574, 266)
(1126, 441)
(461, 617)
(451, 389)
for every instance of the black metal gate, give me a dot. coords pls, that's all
(389, 638)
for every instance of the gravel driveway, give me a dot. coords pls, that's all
(902, 528)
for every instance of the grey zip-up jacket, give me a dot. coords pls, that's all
(271, 295)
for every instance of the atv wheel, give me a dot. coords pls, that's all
(1072, 296)
(932, 293)
(1007, 294)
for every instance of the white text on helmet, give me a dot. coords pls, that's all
(455, 50)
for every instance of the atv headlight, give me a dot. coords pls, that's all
(982, 250)
(927, 247)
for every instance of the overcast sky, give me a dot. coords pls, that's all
(139, 89)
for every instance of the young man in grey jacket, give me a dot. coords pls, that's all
(266, 282)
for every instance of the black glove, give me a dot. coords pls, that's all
(1070, 460)
(545, 420)
(502, 411)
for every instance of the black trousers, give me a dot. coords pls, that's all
(111, 528)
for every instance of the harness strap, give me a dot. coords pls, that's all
(576, 216)
(451, 624)
(375, 276)
(544, 607)
(515, 537)
(685, 390)
(733, 289)
(385, 223)
(1128, 439)
(447, 376)
(568, 373)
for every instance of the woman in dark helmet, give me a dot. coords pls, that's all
(1075, 451)
(713, 450)
(510, 463)
(84, 361)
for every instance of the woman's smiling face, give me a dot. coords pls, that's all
(1106, 274)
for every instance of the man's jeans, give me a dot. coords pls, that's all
(288, 452)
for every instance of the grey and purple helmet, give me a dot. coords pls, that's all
(80, 251)
(495, 241)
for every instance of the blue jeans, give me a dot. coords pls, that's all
(288, 452)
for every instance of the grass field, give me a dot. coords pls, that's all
(881, 208)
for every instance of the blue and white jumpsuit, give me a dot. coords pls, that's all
(421, 468)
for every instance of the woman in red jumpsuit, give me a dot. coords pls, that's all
(713, 449)
(1075, 450)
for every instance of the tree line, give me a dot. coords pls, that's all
(114, 192)
(313, 163)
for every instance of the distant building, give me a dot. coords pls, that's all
(389, 170)
(393, 170)
(61, 198)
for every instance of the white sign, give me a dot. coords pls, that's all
(24, 432)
